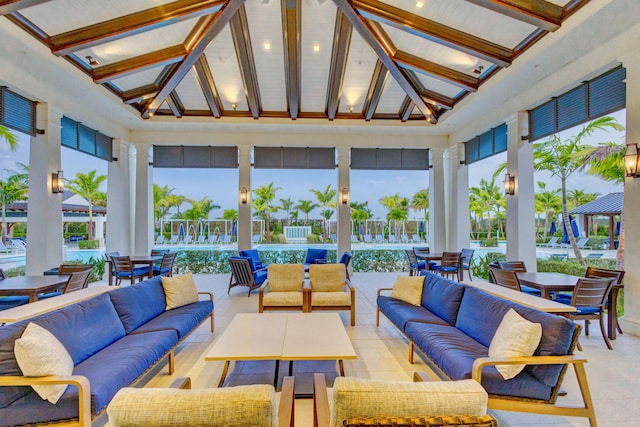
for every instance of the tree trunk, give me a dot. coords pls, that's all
(268, 226)
(90, 225)
(567, 223)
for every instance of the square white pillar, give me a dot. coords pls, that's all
(143, 208)
(120, 198)
(437, 213)
(457, 197)
(344, 210)
(245, 229)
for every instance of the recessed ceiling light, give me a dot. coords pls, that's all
(419, 4)
(234, 106)
(351, 108)
(316, 47)
(478, 69)
(266, 45)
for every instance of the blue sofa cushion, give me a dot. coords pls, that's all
(400, 312)
(182, 319)
(13, 301)
(454, 352)
(480, 315)
(255, 257)
(126, 359)
(442, 296)
(139, 303)
(8, 364)
(137, 271)
(314, 254)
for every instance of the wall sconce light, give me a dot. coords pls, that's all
(344, 196)
(509, 185)
(57, 182)
(631, 160)
(244, 195)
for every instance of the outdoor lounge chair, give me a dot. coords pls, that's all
(315, 256)
(201, 239)
(187, 239)
(160, 239)
(213, 238)
(582, 243)
(243, 273)
(331, 290)
(552, 243)
(283, 290)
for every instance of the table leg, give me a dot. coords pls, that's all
(110, 273)
(275, 377)
(33, 296)
(612, 314)
(150, 269)
(545, 293)
(290, 368)
(341, 365)
(224, 373)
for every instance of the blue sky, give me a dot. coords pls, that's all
(220, 184)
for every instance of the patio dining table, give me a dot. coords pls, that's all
(31, 285)
(548, 282)
(137, 260)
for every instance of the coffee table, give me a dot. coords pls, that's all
(279, 336)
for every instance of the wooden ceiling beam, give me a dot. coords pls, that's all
(139, 94)
(406, 109)
(540, 13)
(10, 6)
(140, 63)
(438, 99)
(339, 55)
(378, 80)
(417, 83)
(434, 31)
(175, 104)
(134, 23)
(412, 62)
(209, 28)
(242, 42)
(203, 74)
(291, 20)
(364, 29)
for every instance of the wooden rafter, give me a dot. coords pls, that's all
(242, 42)
(203, 74)
(140, 63)
(339, 54)
(434, 31)
(134, 23)
(378, 80)
(175, 104)
(208, 29)
(438, 71)
(437, 99)
(540, 13)
(291, 20)
(10, 6)
(28, 26)
(364, 29)
(416, 83)
(140, 94)
(405, 109)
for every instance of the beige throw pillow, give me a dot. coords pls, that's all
(180, 290)
(516, 336)
(39, 353)
(408, 289)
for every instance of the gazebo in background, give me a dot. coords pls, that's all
(609, 205)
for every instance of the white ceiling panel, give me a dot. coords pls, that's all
(138, 79)
(223, 61)
(190, 93)
(55, 17)
(392, 97)
(265, 22)
(318, 22)
(357, 77)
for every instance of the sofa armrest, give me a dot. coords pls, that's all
(78, 381)
(183, 383)
(419, 377)
(287, 402)
(481, 362)
(383, 289)
(209, 294)
(321, 412)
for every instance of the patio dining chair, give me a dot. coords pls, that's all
(449, 265)
(124, 269)
(415, 265)
(78, 279)
(505, 278)
(166, 265)
(519, 267)
(606, 273)
(467, 256)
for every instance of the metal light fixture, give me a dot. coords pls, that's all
(57, 182)
(344, 196)
(91, 61)
(631, 160)
(244, 195)
(509, 185)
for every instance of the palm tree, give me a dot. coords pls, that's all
(306, 206)
(200, 210)
(287, 205)
(360, 212)
(174, 200)
(87, 186)
(579, 197)
(549, 203)
(563, 158)
(476, 212)
(420, 201)
(265, 194)
(326, 199)
(398, 208)
(487, 196)
(10, 137)
(13, 189)
(160, 201)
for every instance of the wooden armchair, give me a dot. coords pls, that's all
(329, 289)
(284, 288)
(243, 273)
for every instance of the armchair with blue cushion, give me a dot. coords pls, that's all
(315, 256)
(255, 257)
(346, 260)
(245, 273)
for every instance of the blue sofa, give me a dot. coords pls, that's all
(113, 339)
(453, 327)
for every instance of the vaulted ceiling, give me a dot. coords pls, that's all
(396, 60)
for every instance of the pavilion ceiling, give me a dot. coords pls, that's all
(343, 59)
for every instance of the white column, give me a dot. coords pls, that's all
(99, 231)
(120, 198)
(437, 218)
(344, 210)
(630, 322)
(143, 225)
(244, 209)
(457, 199)
(44, 219)
(521, 242)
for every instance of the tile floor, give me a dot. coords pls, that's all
(614, 375)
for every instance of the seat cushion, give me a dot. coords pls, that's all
(251, 405)
(320, 299)
(327, 277)
(400, 312)
(182, 319)
(137, 271)
(255, 258)
(314, 254)
(286, 277)
(139, 303)
(282, 299)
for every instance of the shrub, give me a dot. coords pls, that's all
(313, 238)
(88, 244)
(480, 266)
(489, 243)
